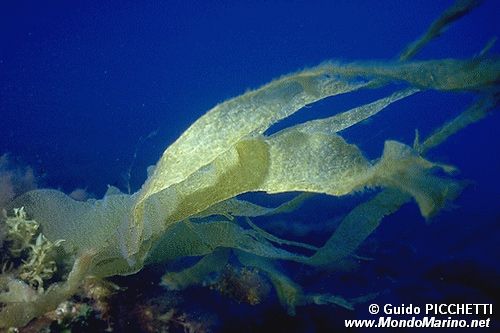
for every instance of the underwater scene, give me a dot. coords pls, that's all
(249, 166)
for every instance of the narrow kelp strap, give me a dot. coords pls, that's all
(459, 9)
(474, 113)
(473, 74)
(290, 294)
(344, 120)
(236, 207)
(198, 273)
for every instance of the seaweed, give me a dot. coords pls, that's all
(188, 205)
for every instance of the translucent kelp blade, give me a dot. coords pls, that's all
(278, 240)
(224, 126)
(182, 240)
(448, 74)
(401, 167)
(315, 162)
(252, 113)
(243, 168)
(236, 207)
(330, 165)
(351, 117)
(83, 225)
(453, 13)
(357, 226)
(198, 239)
(215, 135)
(93, 225)
(229, 122)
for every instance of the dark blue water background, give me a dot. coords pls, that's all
(81, 82)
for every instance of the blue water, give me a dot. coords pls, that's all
(86, 84)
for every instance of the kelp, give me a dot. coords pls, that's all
(446, 74)
(188, 204)
(453, 13)
(366, 217)
(354, 228)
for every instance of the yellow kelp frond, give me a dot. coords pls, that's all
(240, 169)
(223, 154)
(252, 113)
(351, 117)
(91, 225)
(236, 207)
(197, 239)
(401, 167)
(278, 240)
(447, 74)
(357, 226)
(314, 157)
(226, 124)
(198, 184)
(330, 165)
(453, 13)
(314, 162)
(84, 225)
